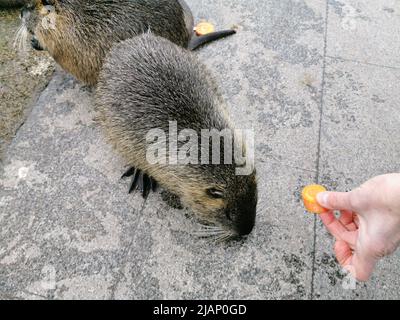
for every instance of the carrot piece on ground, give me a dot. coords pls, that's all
(204, 28)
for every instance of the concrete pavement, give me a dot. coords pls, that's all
(318, 82)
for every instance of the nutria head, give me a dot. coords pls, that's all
(224, 202)
(40, 16)
(59, 27)
(220, 198)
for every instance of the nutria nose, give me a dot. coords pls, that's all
(24, 13)
(244, 224)
(245, 228)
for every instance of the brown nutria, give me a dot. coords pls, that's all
(79, 33)
(147, 83)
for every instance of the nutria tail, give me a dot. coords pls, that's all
(197, 41)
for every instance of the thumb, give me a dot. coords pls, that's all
(335, 200)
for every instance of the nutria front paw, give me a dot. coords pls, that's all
(140, 181)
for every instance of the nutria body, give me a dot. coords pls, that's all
(79, 33)
(146, 83)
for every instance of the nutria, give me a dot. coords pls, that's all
(146, 84)
(79, 33)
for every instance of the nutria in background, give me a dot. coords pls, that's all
(79, 33)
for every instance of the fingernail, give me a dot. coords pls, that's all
(322, 198)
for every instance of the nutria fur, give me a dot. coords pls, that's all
(12, 3)
(79, 33)
(145, 83)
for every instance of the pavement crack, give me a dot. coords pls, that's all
(318, 162)
(363, 63)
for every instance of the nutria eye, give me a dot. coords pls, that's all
(48, 2)
(215, 193)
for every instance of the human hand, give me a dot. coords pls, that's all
(368, 228)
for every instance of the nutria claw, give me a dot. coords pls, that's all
(140, 181)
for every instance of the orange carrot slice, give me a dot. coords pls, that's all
(309, 195)
(204, 28)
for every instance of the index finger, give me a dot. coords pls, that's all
(347, 220)
(343, 253)
(337, 229)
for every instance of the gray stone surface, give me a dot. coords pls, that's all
(69, 229)
(360, 139)
(365, 31)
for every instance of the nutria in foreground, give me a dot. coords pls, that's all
(146, 84)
